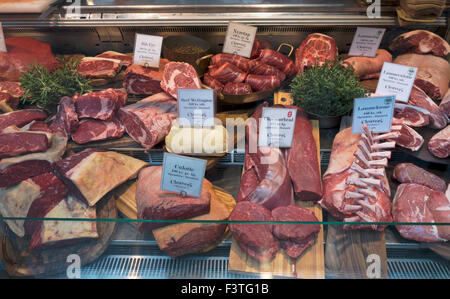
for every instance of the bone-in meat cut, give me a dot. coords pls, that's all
(20, 118)
(101, 105)
(418, 98)
(410, 173)
(407, 137)
(149, 121)
(144, 80)
(420, 42)
(368, 66)
(179, 75)
(355, 184)
(439, 144)
(411, 115)
(94, 130)
(316, 48)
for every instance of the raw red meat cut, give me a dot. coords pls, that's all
(237, 88)
(411, 115)
(66, 118)
(92, 173)
(445, 104)
(316, 48)
(94, 130)
(355, 184)
(126, 60)
(301, 159)
(152, 203)
(22, 53)
(433, 74)
(278, 60)
(18, 172)
(408, 137)
(256, 49)
(39, 126)
(410, 173)
(144, 80)
(259, 68)
(254, 239)
(13, 88)
(236, 60)
(101, 105)
(417, 203)
(15, 144)
(92, 67)
(179, 75)
(259, 82)
(295, 238)
(418, 98)
(149, 121)
(366, 67)
(7, 103)
(21, 117)
(439, 144)
(266, 179)
(227, 72)
(420, 42)
(213, 83)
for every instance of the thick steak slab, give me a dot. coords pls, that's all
(15, 144)
(100, 104)
(94, 130)
(410, 173)
(20, 118)
(439, 144)
(179, 75)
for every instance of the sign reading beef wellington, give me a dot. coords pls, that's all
(2, 40)
(239, 39)
(147, 50)
(183, 175)
(366, 41)
(196, 107)
(396, 79)
(277, 127)
(375, 112)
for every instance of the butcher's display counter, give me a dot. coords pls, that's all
(206, 236)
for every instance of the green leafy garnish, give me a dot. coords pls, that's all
(326, 90)
(45, 89)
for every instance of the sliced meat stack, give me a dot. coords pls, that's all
(316, 48)
(439, 144)
(142, 80)
(179, 75)
(355, 184)
(420, 42)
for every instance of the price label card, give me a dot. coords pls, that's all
(396, 79)
(375, 112)
(147, 50)
(196, 107)
(277, 127)
(2, 40)
(239, 39)
(183, 175)
(366, 41)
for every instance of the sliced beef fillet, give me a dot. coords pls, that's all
(420, 42)
(20, 118)
(255, 239)
(152, 203)
(149, 121)
(445, 104)
(259, 68)
(295, 238)
(411, 115)
(101, 105)
(96, 68)
(227, 73)
(144, 80)
(237, 88)
(92, 173)
(126, 60)
(15, 144)
(260, 82)
(418, 98)
(278, 60)
(239, 61)
(179, 75)
(316, 48)
(94, 130)
(368, 66)
(66, 118)
(410, 173)
(439, 144)
(417, 203)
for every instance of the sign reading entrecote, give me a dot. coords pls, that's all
(239, 39)
(147, 50)
(375, 112)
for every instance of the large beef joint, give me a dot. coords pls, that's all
(66, 118)
(92, 173)
(368, 66)
(410, 173)
(95, 130)
(20, 118)
(152, 203)
(316, 48)
(439, 144)
(149, 121)
(100, 104)
(99, 67)
(144, 80)
(179, 75)
(420, 42)
(256, 240)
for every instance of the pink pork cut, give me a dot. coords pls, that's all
(417, 203)
(367, 67)
(418, 98)
(316, 48)
(100, 104)
(66, 118)
(420, 42)
(439, 144)
(179, 75)
(94, 130)
(149, 121)
(410, 173)
(20, 118)
(92, 67)
(445, 104)
(18, 143)
(411, 115)
(143, 80)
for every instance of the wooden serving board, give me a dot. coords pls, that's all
(309, 265)
(347, 251)
(20, 261)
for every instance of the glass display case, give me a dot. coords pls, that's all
(89, 215)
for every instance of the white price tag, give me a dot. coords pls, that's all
(396, 79)
(366, 41)
(147, 50)
(183, 175)
(2, 40)
(375, 112)
(276, 127)
(196, 107)
(239, 39)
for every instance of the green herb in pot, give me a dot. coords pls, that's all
(326, 90)
(45, 89)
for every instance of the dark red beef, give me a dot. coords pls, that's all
(237, 88)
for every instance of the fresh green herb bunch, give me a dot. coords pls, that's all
(45, 89)
(326, 90)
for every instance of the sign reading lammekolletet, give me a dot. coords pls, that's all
(239, 39)
(396, 79)
(375, 112)
(147, 50)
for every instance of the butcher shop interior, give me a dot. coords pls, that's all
(225, 139)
